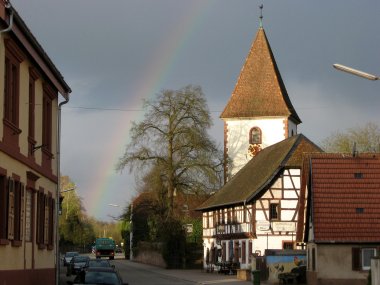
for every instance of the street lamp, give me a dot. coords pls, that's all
(355, 72)
(67, 200)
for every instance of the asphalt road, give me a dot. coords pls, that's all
(141, 274)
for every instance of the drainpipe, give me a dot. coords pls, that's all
(8, 5)
(58, 192)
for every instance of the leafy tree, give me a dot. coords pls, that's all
(172, 145)
(364, 139)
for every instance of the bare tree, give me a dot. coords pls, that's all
(362, 139)
(172, 139)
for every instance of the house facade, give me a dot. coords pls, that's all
(339, 210)
(257, 209)
(31, 88)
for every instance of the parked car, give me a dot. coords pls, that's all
(98, 263)
(98, 275)
(77, 263)
(118, 250)
(68, 256)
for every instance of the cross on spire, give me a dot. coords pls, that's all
(261, 15)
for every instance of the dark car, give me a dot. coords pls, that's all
(77, 263)
(98, 275)
(98, 263)
(68, 256)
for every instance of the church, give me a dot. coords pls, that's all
(257, 208)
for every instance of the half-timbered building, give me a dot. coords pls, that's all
(257, 208)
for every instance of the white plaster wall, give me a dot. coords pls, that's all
(335, 262)
(264, 242)
(273, 131)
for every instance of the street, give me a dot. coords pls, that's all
(136, 274)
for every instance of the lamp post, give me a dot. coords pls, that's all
(67, 200)
(356, 72)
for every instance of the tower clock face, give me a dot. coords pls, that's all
(253, 149)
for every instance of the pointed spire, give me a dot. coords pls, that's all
(259, 90)
(261, 15)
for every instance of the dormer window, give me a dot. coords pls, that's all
(358, 175)
(255, 135)
(359, 210)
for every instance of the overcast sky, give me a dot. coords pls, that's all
(114, 53)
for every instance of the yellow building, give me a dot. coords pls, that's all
(32, 91)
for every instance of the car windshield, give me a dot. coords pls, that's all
(99, 277)
(80, 258)
(71, 254)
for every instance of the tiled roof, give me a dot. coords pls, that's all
(259, 173)
(259, 90)
(345, 197)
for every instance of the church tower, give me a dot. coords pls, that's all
(259, 112)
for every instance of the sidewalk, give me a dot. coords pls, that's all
(194, 275)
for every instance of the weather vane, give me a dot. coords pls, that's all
(261, 15)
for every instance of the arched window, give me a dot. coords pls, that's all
(255, 135)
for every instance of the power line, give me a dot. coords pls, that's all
(113, 109)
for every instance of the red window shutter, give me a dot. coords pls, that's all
(356, 259)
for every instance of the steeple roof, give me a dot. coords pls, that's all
(260, 91)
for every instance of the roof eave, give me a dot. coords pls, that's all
(25, 36)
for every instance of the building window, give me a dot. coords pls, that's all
(18, 206)
(287, 245)
(273, 211)
(47, 123)
(13, 58)
(40, 219)
(243, 252)
(11, 90)
(367, 254)
(255, 135)
(28, 215)
(313, 257)
(11, 211)
(361, 258)
(31, 115)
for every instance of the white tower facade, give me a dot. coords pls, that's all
(259, 112)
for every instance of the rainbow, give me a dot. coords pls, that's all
(155, 77)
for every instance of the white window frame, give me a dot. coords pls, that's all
(367, 267)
